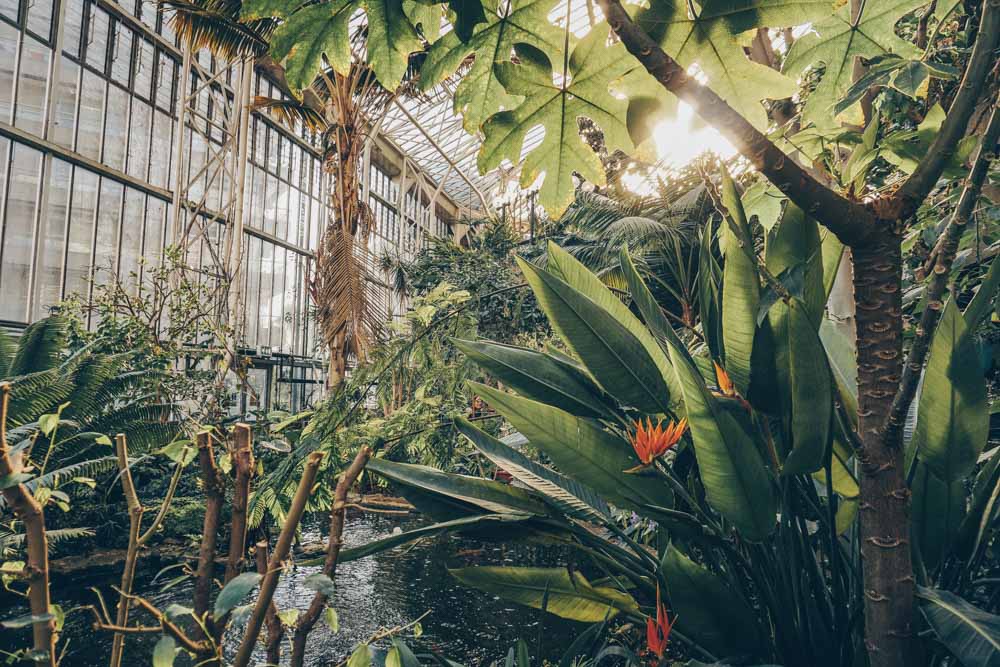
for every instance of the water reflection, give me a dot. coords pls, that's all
(385, 590)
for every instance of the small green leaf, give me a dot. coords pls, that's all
(288, 617)
(103, 440)
(164, 652)
(361, 657)
(418, 630)
(234, 592)
(332, 620)
(175, 610)
(320, 583)
(48, 423)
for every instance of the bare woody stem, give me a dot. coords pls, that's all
(275, 631)
(929, 170)
(243, 464)
(135, 511)
(30, 512)
(281, 550)
(335, 541)
(212, 479)
(942, 258)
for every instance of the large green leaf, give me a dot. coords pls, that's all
(983, 508)
(573, 598)
(971, 634)
(565, 494)
(309, 32)
(982, 304)
(735, 479)
(952, 418)
(480, 94)
(583, 90)
(804, 386)
(492, 497)
(706, 36)
(709, 286)
(539, 376)
(905, 149)
(709, 609)
(936, 512)
(740, 288)
(582, 450)
(611, 351)
(835, 41)
(796, 241)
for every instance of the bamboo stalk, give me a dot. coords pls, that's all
(281, 550)
(212, 479)
(30, 512)
(243, 464)
(308, 620)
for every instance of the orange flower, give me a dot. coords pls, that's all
(651, 442)
(658, 631)
(725, 384)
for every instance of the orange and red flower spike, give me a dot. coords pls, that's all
(651, 442)
(726, 386)
(658, 631)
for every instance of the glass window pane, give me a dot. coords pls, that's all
(91, 123)
(10, 8)
(52, 230)
(166, 73)
(116, 127)
(162, 150)
(277, 298)
(74, 27)
(108, 221)
(40, 18)
(152, 243)
(81, 232)
(97, 39)
(145, 62)
(131, 246)
(32, 83)
(65, 103)
(138, 139)
(264, 305)
(18, 233)
(121, 54)
(8, 58)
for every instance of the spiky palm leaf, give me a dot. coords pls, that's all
(215, 25)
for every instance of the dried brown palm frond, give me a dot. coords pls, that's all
(216, 25)
(290, 112)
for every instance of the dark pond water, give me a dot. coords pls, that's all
(384, 590)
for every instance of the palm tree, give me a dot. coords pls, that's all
(346, 110)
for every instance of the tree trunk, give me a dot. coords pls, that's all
(885, 499)
(275, 631)
(135, 511)
(243, 463)
(27, 509)
(215, 496)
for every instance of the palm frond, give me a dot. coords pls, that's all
(16, 540)
(88, 468)
(215, 25)
(41, 346)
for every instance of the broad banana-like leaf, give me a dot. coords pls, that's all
(740, 288)
(573, 598)
(709, 301)
(735, 479)
(794, 241)
(480, 94)
(804, 385)
(936, 512)
(952, 419)
(983, 508)
(494, 521)
(981, 305)
(843, 364)
(539, 376)
(708, 609)
(971, 634)
(581, 449)
(610, 351)
(836, 40)
(565, 494)
(493, 497)
(832, 251)
(657, 322)
(570, 270)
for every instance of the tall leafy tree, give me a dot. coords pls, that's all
(694, 51)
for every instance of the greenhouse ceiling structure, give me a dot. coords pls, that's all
(117, 141)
